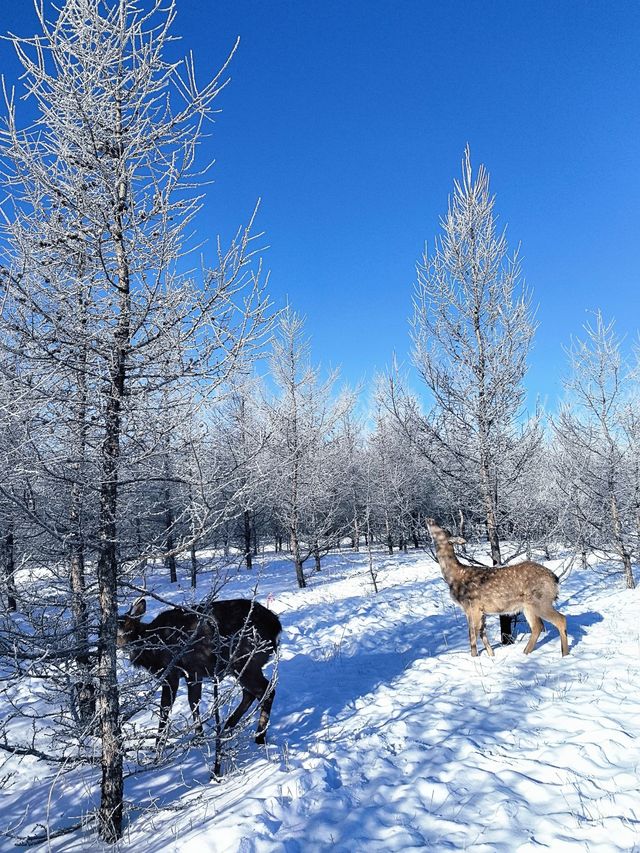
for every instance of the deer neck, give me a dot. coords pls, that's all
(449, 565)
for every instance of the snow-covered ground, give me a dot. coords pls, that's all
(386, 735)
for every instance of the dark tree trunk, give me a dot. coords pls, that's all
(169, 542)
(9, 568)
(247, 538)
(194, 565)
(254, 535)
(110, 814)
(112, 785)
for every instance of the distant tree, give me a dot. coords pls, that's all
(597, 463)
(242, 434)
(304, 421)
(472, 331)
(353, 487)
(398, 486)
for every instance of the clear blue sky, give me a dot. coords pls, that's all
(349, 120)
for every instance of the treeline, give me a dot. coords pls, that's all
(291, 464)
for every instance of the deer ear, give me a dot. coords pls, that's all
(138, 608)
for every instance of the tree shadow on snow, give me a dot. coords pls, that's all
(313, 691)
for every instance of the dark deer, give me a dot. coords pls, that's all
(216, 638)
(525, 587)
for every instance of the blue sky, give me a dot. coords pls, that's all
(349, 120)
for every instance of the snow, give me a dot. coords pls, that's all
(386, 735)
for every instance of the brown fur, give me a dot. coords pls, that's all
(237, 636)
(526, 587)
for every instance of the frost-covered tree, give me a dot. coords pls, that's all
(240, 450)
(100, 196)
(304, 422)
(596, 463)
(399, 487)
(353, 484)
(472, 330)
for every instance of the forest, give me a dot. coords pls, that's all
(167, 432)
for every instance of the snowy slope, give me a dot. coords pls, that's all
(387, 736)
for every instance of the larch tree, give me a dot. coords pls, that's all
(242, 434)
(303, 423)
(472, 331)
(102, 189)
(597, 465)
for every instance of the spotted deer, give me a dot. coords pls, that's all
(525, 587)
(217, 638)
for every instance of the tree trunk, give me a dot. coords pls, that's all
(169, 542)
(194, 565)
(112, 786)
(254, 535)
(387, 528)
(461, 523)
(110, 814)
(622, 550)
(84, 692)
(372, 572)
(9, 568)
(628, 571)
(297, 561)
(247, 538)
(356, 531)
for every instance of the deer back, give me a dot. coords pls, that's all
(507, 589)
(240, 628)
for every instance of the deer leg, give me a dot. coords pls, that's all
(194, 691)
(550, 614)
(483, 636)
(169, 691)
(265, 712)
(473, 632)
(535, 623)
(245, 703)
(254, 687)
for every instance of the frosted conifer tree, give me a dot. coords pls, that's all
(101, 192)
(472, 331)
